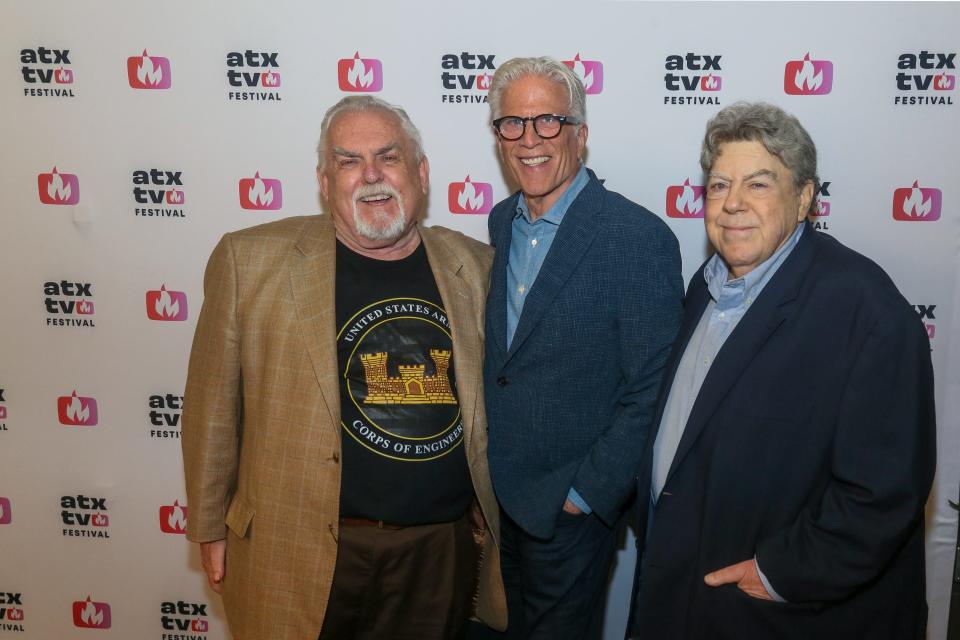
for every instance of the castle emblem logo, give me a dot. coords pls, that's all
(396, 362)
(412, 386)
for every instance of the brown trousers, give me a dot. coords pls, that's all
(412, 583)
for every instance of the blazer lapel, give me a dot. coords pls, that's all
(312, 278)
(575, 235)
(497, 297)
(448, 272)
(763, 318)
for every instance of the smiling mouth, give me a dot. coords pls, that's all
(376, 199)
(533, 162)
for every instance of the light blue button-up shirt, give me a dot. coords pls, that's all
(530, 240)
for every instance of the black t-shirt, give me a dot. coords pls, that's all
(402, 433)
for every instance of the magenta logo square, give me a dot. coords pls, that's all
(77, 411)
(358, 74)
(148, 72)
(590, 73)
(917, 204)
(166, 305)
(261, 194)
(58, 188)
(6, 516)
(808, 77)
(711, 82)
(470, 197)
(685, 200)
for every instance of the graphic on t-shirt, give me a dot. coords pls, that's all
(400, 379)
(412, 386)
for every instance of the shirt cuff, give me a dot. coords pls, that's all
(575, 498)
(766, 583)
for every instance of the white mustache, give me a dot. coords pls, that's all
(372, 191)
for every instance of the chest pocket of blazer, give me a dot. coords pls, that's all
(239, 516)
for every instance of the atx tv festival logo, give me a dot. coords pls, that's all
(821, 207)
(164, 413)
(173, 518)
(68, 303)
(47, 72)
(58, 188)
(692, 78)
(261, 194)
(590, 73)
(466, 77)
(88, 614)
(808, 77)
(77, 411)
(685, 200)
(184, 617)
(166, 306)
(86, 517)
(926, 71)
(253, 75)
(158, 193)
(11, 606)
(6, 514)
(917, 204)
(925, 311)
(470, 197)
(363, 75)
(148, 72)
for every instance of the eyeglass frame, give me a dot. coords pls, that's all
(571, 120)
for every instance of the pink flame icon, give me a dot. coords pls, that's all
(270, 79)
(15, 613)
(174, 196)
(808, 78)
(710, 82)
(469, 197)
(91, 615)
(483, 81)
(945, 82)
(688, 202)
(58, 190)
(63, 76)
(915, 205)
(147, 72)
(359, 76)
(100, 520)
(259, 194)
(77, 411)
(177, 520)
(199, 625)
(165, 306)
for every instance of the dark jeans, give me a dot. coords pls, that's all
(556, 588)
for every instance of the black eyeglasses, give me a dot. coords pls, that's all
(547, 125)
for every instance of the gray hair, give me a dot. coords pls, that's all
(780, 133)
(544, 67)
(352, 104)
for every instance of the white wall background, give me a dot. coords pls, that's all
(869, 147)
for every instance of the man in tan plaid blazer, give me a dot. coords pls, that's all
(264, 430)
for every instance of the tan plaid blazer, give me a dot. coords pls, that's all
(260, 433)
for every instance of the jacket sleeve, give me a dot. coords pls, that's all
(212, 411)
(649, 314)
(881, 470)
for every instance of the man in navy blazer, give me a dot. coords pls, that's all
(783, 493)
(584, 303)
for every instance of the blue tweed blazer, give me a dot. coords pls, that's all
(570, 403)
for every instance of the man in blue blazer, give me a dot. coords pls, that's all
(783, 493)
(584, 303)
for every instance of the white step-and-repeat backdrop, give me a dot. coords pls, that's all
(135, 134)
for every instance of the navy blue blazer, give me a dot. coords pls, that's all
(571, 401)
(810, 446)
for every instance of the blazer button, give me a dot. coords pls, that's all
(502, 381)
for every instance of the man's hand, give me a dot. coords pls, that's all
(571, 508)
(213, 556)
(744, 575)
